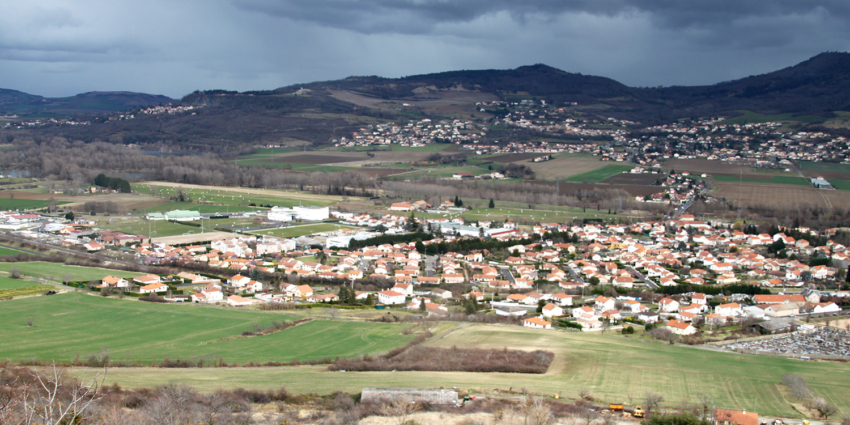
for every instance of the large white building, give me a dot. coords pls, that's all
(299, 213)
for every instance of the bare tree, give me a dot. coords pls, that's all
(651, 401)
(537, 412)
(333, 312)
(825, 408)
(53, 399)
(797, 386)
(585, 394)
(399, 410)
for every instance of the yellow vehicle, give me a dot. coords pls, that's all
(638, 412)
(615, 407)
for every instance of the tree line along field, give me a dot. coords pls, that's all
(56, 271)
(132, 331)
(612, 368)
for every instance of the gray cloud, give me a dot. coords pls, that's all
(63, 47)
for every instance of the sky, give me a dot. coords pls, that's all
(173, 47)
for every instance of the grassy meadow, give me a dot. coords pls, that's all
(74, 324)
(55, 271)
(599, 174)
(613, 368)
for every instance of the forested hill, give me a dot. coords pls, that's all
(16, 102)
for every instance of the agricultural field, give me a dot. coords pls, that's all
(600, 174)
(55, 271)
(829, 167)
(7, 251)
(754, 117)
(295, 231)
(7, 203)
(777, 196)
(582, 361)
(237, 196)
(634, 179)
(151, 228)
(203, 209)
(764, 179)
(25, 290)
(565, 165)
(73, 324)
(9, 283)
(840, 184)
(699, 166)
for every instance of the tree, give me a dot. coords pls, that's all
(651, 401)
(593, 281)
(69, 215)
(422, 307)
(399, 410)
(420, 247)
(492, 204)
(540, 305)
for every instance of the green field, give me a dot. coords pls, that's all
(830, 167)
(9, 283)
(7, 203)
(295, 231)
(203, 209)
(296, 167)
(599, 174)
(611, 367)
(754, 117)
(147, 228)
(795, 180)
(840, 184)
(515, 212)
(134, 331)
(234, 198)
(55, 271)
(7, 251)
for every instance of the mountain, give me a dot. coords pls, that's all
(320, 111)
(16, 102)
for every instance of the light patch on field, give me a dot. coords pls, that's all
(564, 166)
(193, 238)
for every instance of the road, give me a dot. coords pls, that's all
(506, 272)
(67, 251)
(430, 265)
(639, 275)
(24, 250)
(576, 277)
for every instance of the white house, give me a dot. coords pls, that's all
(536, 323)
(153, 287)
(237, 301)
(603, 303)
(552, 310)
(729, 310)
(668, 305)
(208, 295)
(114, 282)
(827, 308)
(390, 297)
(680, 328)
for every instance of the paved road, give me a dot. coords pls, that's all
(577, 277)
(70, 252)
(506, 272)
(643, 278)
(24, 250)
(430, 265)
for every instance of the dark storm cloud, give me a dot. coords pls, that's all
(63, 47)
(420, 16)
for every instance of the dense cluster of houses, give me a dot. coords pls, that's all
(414, 133)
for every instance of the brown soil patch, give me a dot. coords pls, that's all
(775, 195)
(700, 166)
(565, 166)
(633, 179)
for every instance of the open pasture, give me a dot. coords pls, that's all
(699, 166)
(514, 157)
(74, 324)
(56, 271)
(565, 165)
(628, 178)
(611, 367)
(237, 195)
(772, 195)
(600, 174)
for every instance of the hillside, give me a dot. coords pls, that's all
(16, 102)
(319, 111)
